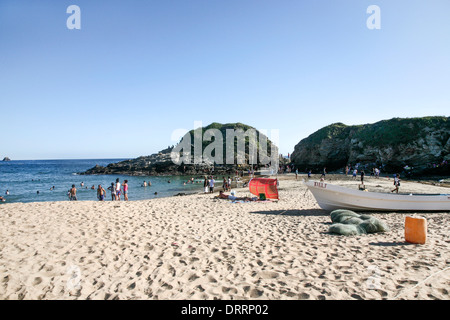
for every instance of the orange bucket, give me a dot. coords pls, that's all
(416, 230)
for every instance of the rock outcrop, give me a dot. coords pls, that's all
(393, 144)
(161, 163)
(6, 159)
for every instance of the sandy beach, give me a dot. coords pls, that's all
(197, 247)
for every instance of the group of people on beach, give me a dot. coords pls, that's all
(209, 184)
(116, 189)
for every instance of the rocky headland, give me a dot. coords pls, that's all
(422, 145)
(161, 163)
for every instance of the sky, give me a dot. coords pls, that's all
(138, 71)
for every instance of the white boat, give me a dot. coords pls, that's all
(331, 197)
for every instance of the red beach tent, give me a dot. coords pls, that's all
(264, 185)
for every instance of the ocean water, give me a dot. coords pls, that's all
(24, 178)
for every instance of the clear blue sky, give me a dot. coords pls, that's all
(138, 70)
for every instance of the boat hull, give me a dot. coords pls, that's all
(332, 197)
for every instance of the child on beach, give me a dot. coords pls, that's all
(113, 191)
(125, 190)
(101, 193)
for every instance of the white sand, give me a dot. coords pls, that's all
(196, 247)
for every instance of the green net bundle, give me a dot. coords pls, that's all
(347, 223)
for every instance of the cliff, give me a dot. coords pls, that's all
(395, 143)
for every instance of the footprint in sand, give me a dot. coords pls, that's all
(256, 293)
(268, 274)
(193, 277)
(37, 281)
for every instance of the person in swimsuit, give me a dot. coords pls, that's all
(101, 193)
(72, 193)
(222, 195)
(125, 190)
(113, 191)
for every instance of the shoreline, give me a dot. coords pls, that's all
(342, 179)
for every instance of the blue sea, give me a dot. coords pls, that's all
(23, 180)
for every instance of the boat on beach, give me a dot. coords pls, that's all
(331, 197)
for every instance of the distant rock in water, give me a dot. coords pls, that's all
(6, 159)
(420, 143)
(161, 163)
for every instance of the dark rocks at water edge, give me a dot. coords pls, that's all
(422, 144)
(6, 159)
(161, 163)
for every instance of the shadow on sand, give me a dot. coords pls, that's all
(295, 213)
(390, 244)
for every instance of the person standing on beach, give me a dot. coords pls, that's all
(224, 184)
(323, 173)
(73, 193)
(354, 174)
(101, 193)
(361, 186)
(296, 174)
(118, 192)
(206, 185)
(113, 191)
(396, 182)
(125, 190)
(211, 185)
